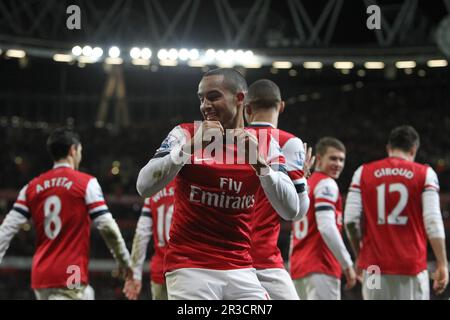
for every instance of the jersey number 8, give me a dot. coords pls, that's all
(52, 221)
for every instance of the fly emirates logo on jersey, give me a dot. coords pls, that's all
(223, 199)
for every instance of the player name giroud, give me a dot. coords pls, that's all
(408, 174)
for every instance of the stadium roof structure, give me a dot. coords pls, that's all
(296, 31)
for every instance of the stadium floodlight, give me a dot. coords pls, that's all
(146, 53)
(115, 60)
(343, 65)
(282, 64)
(252, 65)
(405, 64)
(77, 51)
(220, 55)
(168, 63)
(163, 54)
(196, 63)
(239, 55)
(312, 65)
(97, 52)
(135, 53)
(225, 63)
(437, 63)
(173, 54)
(85, 59)
(210, 54)
(249, 54)
(87, 51)
(114, 52)
(59, 57)
(15, 53)
(374, 65)
(184, 54)
(230, 53)
(194, 54)
(140, 62)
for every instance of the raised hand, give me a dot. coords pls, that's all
(309, 161)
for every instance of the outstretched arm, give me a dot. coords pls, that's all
(434, 227)
(107, 226)
(18, 215)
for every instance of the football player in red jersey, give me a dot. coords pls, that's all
(392, 208)
(318, 254)
(208, 252)
(156, 218)
(61, 203)
(263, 106)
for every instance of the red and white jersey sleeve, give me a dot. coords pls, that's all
(94, 199)
(294, 153)
(176, 138)
(326, 195)
(431, 181)
(21, 205)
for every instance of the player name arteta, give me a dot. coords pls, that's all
(55, 182)
(223, 199)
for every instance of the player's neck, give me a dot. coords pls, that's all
(269, 117)
(66, 161)
(400, 154)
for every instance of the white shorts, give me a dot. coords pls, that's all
(84, 293)
(207, 284)
(396, 287)
(318, 286)
(278, 283)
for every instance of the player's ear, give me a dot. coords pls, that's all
(413, 152)
(281, 106)
(73, 150)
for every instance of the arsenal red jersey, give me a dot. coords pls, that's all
(160, 209)
(213, 207)
(309, 252)
(266, 222)
(394, 235)
(61, 204)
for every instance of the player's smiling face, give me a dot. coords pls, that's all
(217, 102)
(332, 162)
